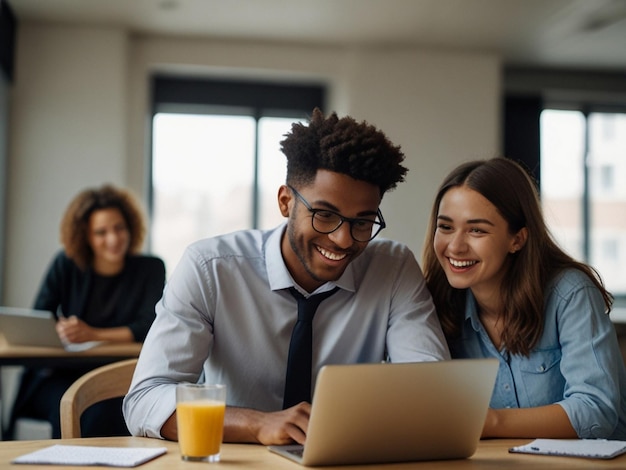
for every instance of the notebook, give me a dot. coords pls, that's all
(588, 448)
(381, 413)
(91, 456)
(30, 327)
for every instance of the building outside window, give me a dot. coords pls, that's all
(583, 159)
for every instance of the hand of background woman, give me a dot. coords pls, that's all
(74, 330)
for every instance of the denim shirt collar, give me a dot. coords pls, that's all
(471, 311)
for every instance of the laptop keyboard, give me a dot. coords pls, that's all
(297, 451)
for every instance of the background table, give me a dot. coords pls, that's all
(490, 455)
(54, 357)
(30, 356)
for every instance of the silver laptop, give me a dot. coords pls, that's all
(379, 413)
(30, 327)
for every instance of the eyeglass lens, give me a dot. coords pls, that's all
(361, 229)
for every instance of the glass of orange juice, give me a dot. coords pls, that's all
(200, 418)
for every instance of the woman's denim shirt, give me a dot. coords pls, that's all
(577, 362)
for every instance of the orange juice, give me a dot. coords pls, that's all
(200, 427)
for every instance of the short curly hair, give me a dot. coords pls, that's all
(344, 145)
(75, 221)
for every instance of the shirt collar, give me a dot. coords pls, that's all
(471, 311)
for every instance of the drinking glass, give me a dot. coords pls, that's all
(200, 418)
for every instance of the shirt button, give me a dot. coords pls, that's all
(541, 368)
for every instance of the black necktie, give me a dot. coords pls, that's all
(298, 379)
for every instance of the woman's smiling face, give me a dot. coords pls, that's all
(473, 242)
(109, 238)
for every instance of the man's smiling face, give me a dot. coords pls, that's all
(314, 258)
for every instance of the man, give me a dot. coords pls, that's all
(228, 310)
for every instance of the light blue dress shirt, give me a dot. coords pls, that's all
(577, 362)
(227, 313)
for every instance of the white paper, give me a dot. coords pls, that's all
(590, 448)
(78, 347)
(88, 455)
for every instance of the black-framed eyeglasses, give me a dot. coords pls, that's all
(326, 221)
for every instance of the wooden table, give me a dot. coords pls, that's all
(490, 455)
(54, 357)
(31, 356)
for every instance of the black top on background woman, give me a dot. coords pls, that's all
(101, 289)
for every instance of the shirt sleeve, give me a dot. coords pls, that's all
(591, 362)
(174, 350)
(49, 294)
(414, 332)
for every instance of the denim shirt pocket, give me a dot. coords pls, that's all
(541, 378)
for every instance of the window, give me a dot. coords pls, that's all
(216, 160)
(583, 156)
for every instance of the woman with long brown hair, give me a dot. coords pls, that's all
(503, 288)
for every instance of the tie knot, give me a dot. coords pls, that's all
(308, 306)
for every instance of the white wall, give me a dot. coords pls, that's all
(68, 131)
(441, 107)
(80, 109)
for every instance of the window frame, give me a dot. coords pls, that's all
(209, 95)
(529, 91)
(586, 108)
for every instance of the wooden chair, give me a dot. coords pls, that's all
(103, 383)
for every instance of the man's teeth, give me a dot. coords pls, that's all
(461, 264)
(331, 255)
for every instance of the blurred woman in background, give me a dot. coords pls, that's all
(100, 289)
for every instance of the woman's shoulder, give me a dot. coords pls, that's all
(571, 277)
(142, 260)
(569, 281)
(61, 260)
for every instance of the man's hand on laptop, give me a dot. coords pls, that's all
(275, 428)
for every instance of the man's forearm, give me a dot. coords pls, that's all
(238, 426)
(169, 430)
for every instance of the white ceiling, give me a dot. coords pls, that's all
(546, 33)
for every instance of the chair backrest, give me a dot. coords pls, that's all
(103, 383)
